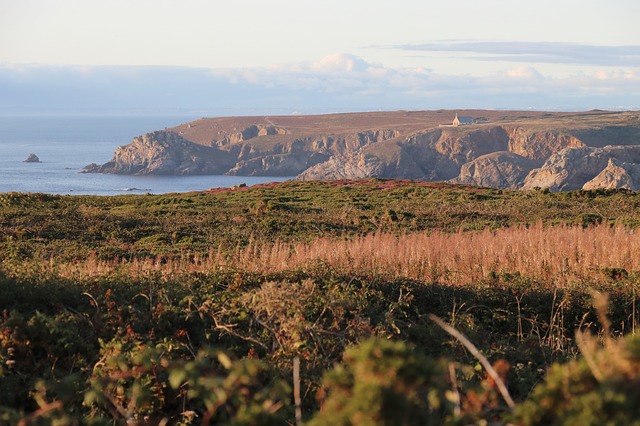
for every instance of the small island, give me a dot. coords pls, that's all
(32, 158)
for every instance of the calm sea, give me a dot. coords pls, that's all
(66, 144)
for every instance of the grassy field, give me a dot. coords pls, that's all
(314, 302)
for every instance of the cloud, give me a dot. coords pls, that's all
(341, 62)
(349, 77)
(336, 73)
(337, 70)
(338, 82)
(535, 52)
(524, 72)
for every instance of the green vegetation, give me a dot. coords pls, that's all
(71, 227)
(192, 308)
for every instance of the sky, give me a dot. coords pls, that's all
(243, 57)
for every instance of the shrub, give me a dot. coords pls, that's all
(600, 388)
(383, 383)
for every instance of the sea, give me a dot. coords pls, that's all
(65, 145)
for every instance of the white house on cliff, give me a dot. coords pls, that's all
(462, 121)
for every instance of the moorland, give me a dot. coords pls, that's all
(321, 302)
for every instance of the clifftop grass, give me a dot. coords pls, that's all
(132, 226)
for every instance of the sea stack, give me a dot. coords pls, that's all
(32, 158)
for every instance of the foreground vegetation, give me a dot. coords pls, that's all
(319, 302)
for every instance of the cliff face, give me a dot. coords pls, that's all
(164, 153)
(539, 145)
(252, 151)
(573, 168)
(547, 150)
(496, 156)
(617, 175)
(501, 169)
(277, 164)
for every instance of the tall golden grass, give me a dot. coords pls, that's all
(539, 252)
(561, 253)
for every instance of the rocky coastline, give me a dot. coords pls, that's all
(556, 151)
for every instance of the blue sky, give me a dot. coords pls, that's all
(281, 56)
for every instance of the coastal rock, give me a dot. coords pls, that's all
(617, 175)
(164, 153)
(92, 168)
(539, 145)
(277, 165)
(436, 154)
(500, 169)
(355, 166)
(572, 168)
(169, 153)
(559, 151)
(32, 158)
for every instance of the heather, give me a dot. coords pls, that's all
(313, 302)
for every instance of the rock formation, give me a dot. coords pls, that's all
(502, 169)
(32, 158)
(616, 175)
(463, 155)
(558, 151)
(571, 168)
(165, 153)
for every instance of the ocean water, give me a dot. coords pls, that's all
(65, 145)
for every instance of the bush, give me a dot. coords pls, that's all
(383, 383)
(600, 388)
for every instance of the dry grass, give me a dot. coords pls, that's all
(560, 253)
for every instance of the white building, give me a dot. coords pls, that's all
(462, 121)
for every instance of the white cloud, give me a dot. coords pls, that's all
(628, 75)
(524, 72)
(535, 52)
(337, 82)
(332, 73)
(341, 63)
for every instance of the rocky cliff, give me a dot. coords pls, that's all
(496, 156)
(164, 153)
(559, 151)
(502, 169)
(616, 175)
(573, 168)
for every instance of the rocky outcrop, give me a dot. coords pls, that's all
(356, 166)
(32, 158)
(572, 168)
(251, 132)
(443, 154)
(616, 175)
(501, 169)
(539, 145)
(164, 153)
(432, 155)
(254, 151)
(277, 164)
